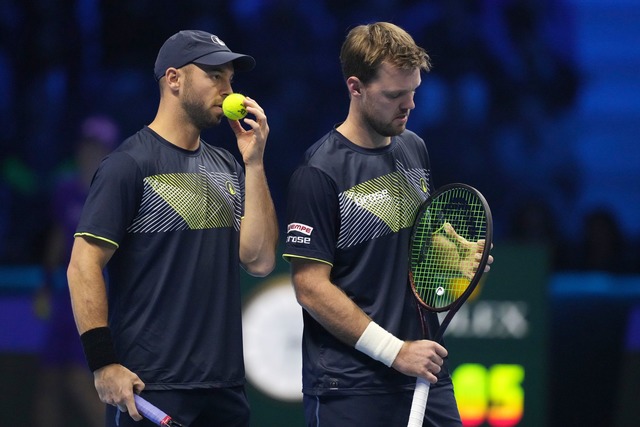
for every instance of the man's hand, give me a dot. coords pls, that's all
(116, 385)
(459, 254)
(251, 142)
(421, 358)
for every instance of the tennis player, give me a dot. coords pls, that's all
(173, 218)
(350, 209)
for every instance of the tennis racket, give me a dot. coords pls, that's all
(152, 413)
(449, 250)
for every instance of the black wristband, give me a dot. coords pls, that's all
(98, 348)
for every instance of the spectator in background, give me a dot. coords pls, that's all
(533, 223)
(64, 378)
(603, 247)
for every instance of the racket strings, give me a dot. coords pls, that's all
(444, 246)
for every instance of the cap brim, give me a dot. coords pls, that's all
(240, 62)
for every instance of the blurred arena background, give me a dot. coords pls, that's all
(546, 93)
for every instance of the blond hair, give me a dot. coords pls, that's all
(368, 46)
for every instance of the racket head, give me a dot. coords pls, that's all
(443, 244)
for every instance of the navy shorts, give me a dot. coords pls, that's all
(224, 407)
(382, 410)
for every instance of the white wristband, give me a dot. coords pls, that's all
(379, 344)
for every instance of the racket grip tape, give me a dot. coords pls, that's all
(419, 403)
(151, 412)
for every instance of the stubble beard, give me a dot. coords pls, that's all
(197, 112)
(386, 129)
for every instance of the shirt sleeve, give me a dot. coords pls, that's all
(312, 216)
(113, 199)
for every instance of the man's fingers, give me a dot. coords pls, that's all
(450, 231)
(133, 409)
(138, 386)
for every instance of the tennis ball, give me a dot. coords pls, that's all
(233, 106)
(457, 286)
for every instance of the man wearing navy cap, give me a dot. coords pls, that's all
(173, 219)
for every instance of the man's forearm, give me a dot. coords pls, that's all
(259, 230)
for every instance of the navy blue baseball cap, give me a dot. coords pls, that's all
(198, 47)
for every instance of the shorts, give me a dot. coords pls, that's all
(221, 407)
(382, 410)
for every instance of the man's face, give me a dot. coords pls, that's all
(205, 88)
(388, 99)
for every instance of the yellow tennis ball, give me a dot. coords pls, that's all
(457, 286)
(233, 106)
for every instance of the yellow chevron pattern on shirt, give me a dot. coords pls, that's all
(187, 201)
(382, 205)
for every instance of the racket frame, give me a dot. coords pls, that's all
(421, 393)
(485, 253)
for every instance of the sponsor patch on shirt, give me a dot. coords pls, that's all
(300, 228)
(297, 228)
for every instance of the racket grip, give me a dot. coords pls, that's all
(419, 403)
(151, 412)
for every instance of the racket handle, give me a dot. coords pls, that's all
(151, 412)
(419, 403)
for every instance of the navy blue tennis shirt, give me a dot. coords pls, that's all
(353, 208)
(174, 299)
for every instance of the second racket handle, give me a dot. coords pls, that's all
(419, 403)
(150, 412)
